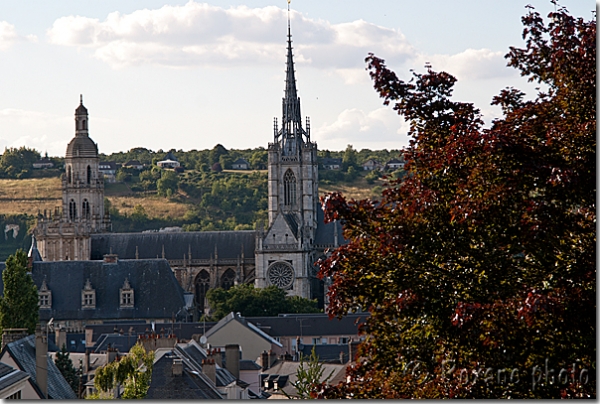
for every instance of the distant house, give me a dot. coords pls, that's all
(170, 161)
(394, 164)
(109, 169)
(234, 329)
(331, 163)
(134, 164)
(240, 164)
(372, 164)
(43, 163)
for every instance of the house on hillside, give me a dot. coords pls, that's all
(331, 163)
(13, 382)
(394, 164)
(135, 164)
(170, 161)
(43, 163)
(240, 164)
(109, 170)
(372, 164)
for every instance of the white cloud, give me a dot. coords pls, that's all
(8, 36)
(471, 64)
(201, 34)
(34, 129)
(379, 126)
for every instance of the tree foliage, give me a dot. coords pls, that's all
(65, 365)
(133, 371)
(308, 375)
(478, 266)
(252, 302)
(17, 163)
(19, 303)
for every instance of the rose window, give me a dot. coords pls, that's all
(281, 274)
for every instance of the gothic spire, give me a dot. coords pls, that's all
(291, 132)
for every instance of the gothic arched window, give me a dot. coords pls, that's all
(289, 188)
(89, 174)
(85, 209)
(202, 285)
(228, 279)
(72, 210)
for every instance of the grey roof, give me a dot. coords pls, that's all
(82, 146)
(75, 342)
(10, 376)
(234, 317)
(326, 352)
(288, 325)
(248, 364)
(241, 160)
(34, 253)
(23, 353)
(182, 330)
(229, 244)
(111, 165)
(290, 219)
(170, 156)
(190, 385)
(148, 278)
(330, 161)
(325, 234)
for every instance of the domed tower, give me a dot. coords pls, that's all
(66, 235)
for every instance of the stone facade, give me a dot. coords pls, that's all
(65, 234)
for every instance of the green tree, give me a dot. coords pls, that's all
(259, 159)
(133, 371)
(253, 302)
(19, 304)
(349, 159)
(481, 260)
(65, 365)
(16, 163)
(216, 153)
(309, 376)
(168, 183)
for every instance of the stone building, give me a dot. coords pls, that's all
(283, 254)
(65, 234)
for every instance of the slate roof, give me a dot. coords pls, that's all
(234, 317)
(10, 376)
(248, 364)
(287, 325)
(23, 353)
(190, 385)
(285, 374)
(325, 231)
(183, 331)
(75, 342)
(148, 278)
(326, 352)
(150, 245)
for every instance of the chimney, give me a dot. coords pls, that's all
(177, 369)
(272, 358)
(264, 360)
(86, 361)
(352, 347)
(209, 368)
(232, 359)
(111, 354)
(41, 360)
(342, 357)
(111, 258)
(218, 356)
(60, 337)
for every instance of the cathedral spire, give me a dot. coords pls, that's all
(291, 132)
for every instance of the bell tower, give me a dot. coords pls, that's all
(65, 234)
(284, 254)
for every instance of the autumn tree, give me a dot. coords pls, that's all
(19, 302)
(478, 267)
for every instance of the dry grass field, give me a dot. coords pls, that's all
(358, 190)
(29, 195)
(155, 206)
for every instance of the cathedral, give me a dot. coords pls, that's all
(283, 254)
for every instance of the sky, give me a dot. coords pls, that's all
(187, 75)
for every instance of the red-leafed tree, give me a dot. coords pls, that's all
(478, 267)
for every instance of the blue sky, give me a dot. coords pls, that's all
(188, 75)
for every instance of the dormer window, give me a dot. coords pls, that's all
(88, 296)
(126, 295)
(45, 296)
